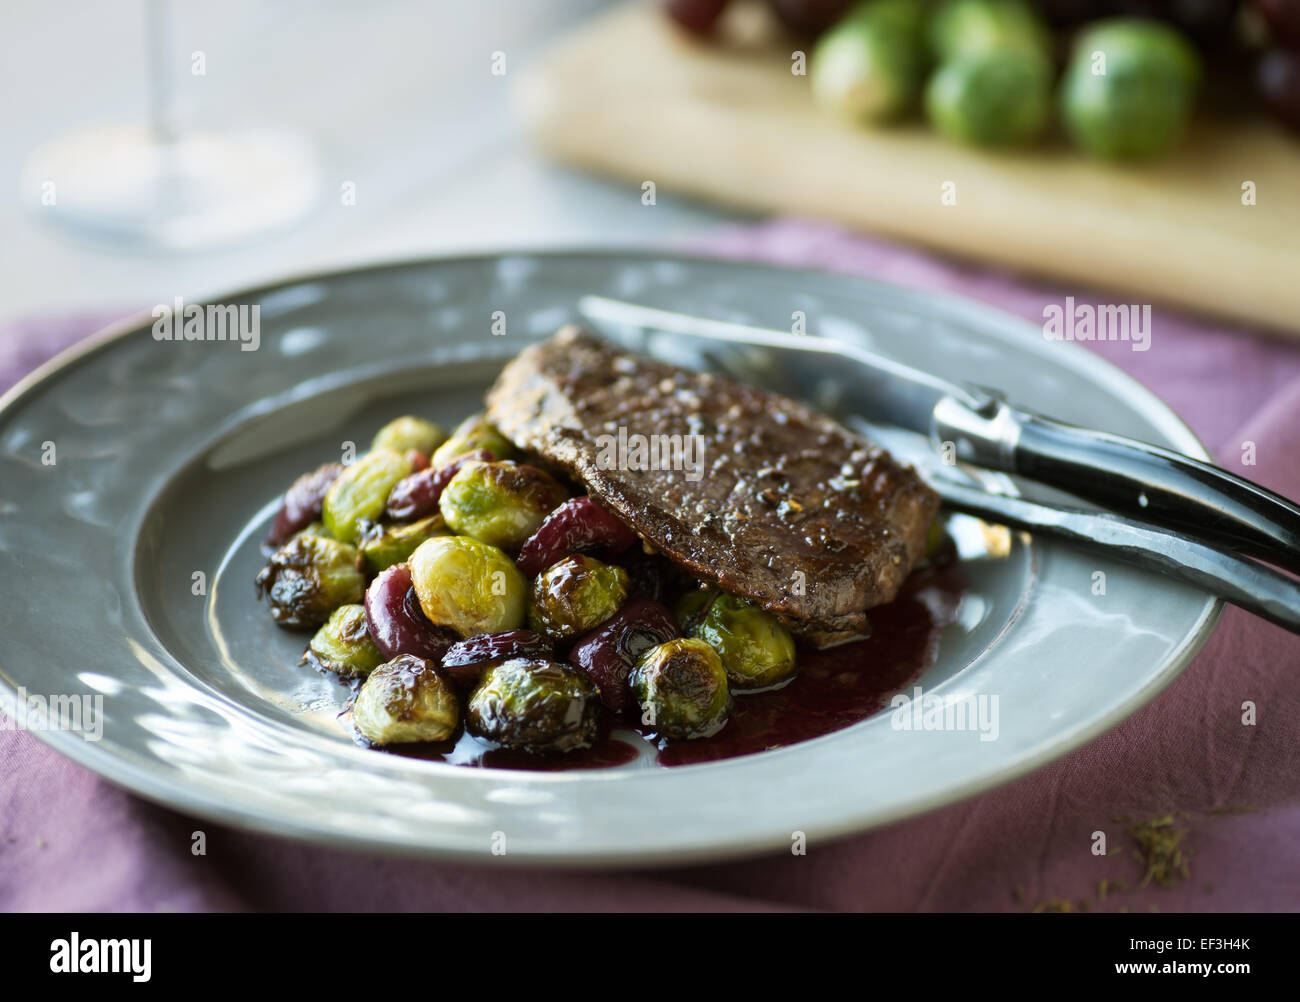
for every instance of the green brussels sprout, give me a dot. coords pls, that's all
(936, 540)
(408, 432)
(691, 605)
(964, 28)
(468, 586)
(1129, 89)
(471, 434)
(756, 650)
(361, 491)
(681, 688)
(393, 544)
(535, 705)
(308, 578)
(343, 645)
(996, 99)
(500, 504)
(406, 700)
(575, 595)
(870, 66)
(316, 528)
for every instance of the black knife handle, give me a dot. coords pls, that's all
(1157, 485)
(1162, 487)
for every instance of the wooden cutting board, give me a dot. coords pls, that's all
(631, 96)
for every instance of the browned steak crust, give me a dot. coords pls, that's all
(791, 511)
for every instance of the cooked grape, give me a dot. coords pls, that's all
(579, 525)
(466, 660)
(396, 622)
(608, 653)
(417, 495)
(302, 502)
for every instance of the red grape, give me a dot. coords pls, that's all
(417, 495)
(609, 652)
(466, 660)
(302, 502)
(579, 525)
(1278, 80)
(396, 622)
(696, 16)
(810, 17)
(1283, 17)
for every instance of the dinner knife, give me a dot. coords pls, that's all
(979, 426)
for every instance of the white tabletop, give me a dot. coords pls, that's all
(399, 94)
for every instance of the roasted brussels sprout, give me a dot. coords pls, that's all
(964, 28)
(406, 700)
(343, 644)
(467, 585)
(579, 525)
(534, 705)
(397, 623)
(500, 504)
(392, 544)
(466, 660)
(681, 688)
(575, 595)
(994, 99)
(405, 433)
(473, 433)
(308, 578)
(756, 650)
(361, 491)
(1138, 102)
(311, 529)
(869, 67)
(302, 502)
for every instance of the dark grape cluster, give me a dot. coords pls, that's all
(1211, 24)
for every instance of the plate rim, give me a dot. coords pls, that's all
(175, 795)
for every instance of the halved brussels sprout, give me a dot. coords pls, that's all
(308, 578)
(473, 433)
(756, 650)
(394, 543)
(361, 491)
(408, 432)
(534, 705)
(406, 700)
(501, 504)
(468, 585)
(575, 595)
(343, 644)
(681, 688)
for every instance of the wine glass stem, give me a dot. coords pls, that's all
(162, 112)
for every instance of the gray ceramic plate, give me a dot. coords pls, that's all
(169, 458)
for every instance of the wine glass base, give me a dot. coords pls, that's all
(119, 185)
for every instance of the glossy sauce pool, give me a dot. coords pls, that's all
(833, 690)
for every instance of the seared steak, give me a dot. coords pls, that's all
(788, 509)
